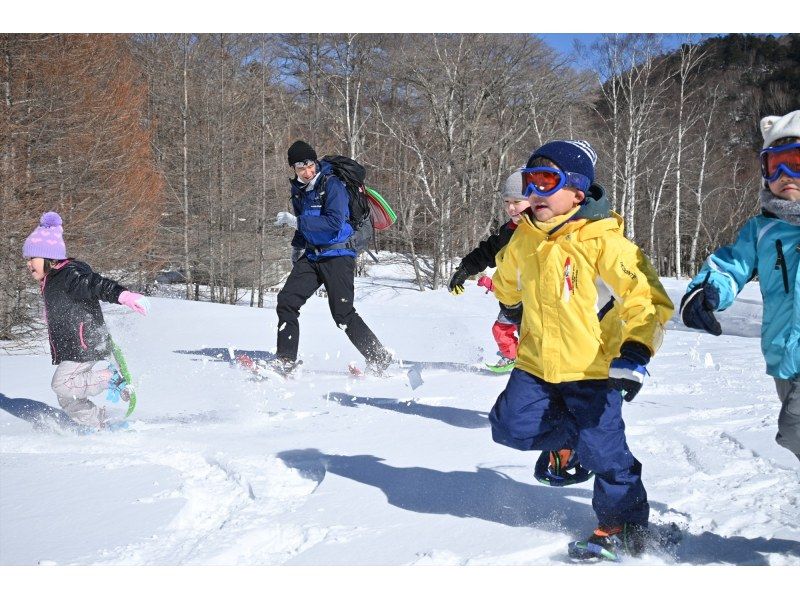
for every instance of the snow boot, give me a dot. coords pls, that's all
(611, 543)
(560, 468)
(377, 367)
(285, 367)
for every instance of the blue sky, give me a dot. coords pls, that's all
(563, 42)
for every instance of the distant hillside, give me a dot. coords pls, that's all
(760, 75)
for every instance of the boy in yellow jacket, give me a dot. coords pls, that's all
(593, 316)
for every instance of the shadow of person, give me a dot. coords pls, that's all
(493, 496)
(224, 353)
(41, 415)
(707, 548)
(482, 494)
(453, 416)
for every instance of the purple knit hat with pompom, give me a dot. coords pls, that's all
(47, 239)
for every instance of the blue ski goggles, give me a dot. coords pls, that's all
(783, 159)
(544, 181)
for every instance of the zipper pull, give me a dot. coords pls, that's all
(779, 250)
(780, 264)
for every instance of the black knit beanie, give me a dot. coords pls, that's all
(300, 151)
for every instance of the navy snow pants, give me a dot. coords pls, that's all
(586, 416)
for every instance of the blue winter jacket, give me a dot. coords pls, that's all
(322, 216)
(769, 247)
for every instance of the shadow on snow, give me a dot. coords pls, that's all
(41, 415)
(224, 354)
(483, 494)
(493, 496)
(453, 416)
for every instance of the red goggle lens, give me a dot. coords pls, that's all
(542, 180)
(789, 157)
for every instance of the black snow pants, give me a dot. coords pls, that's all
(336, 274)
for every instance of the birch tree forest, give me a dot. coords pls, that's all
(167, 152)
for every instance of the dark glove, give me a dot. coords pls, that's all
(456, 285)
(698, 307)
(626, 373)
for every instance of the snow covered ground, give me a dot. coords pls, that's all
(331, 470)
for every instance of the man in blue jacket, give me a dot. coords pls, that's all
(321, 255)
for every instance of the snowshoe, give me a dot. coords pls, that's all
(377, 367)
(268, 369)
(284, 367)
(610, 543)
(503, 366)
(246, 362)
(560, 468)
(354, 370)
(630, 539)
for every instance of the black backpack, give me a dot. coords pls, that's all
(352, 174)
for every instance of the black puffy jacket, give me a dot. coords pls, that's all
(483, 255)
(72, 293)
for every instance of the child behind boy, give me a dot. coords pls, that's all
(75, 325)
(505, 327)
(593, 316)
(767, 244)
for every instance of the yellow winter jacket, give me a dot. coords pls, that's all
(566, 280)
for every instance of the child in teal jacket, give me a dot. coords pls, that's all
(767, 245)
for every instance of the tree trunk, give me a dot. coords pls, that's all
(187, 271)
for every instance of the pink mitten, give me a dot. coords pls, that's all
(485, 281)
(135, 301)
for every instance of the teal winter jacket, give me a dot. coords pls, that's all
(770, 248)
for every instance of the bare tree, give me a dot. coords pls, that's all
(691, 57)
(631, 93)
(700, 193)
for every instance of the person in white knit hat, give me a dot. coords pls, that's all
(505, 328)
(768, 244)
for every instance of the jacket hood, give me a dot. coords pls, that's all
(595, 206)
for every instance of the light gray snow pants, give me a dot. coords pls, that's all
(73, 382)
(789, 417)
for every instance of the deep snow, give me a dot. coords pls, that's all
(328, 469)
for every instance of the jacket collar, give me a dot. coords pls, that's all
(594, 210)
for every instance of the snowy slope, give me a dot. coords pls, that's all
(327, 469)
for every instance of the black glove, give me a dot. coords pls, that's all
(626, 373)
(456, 285)
(698, 307)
